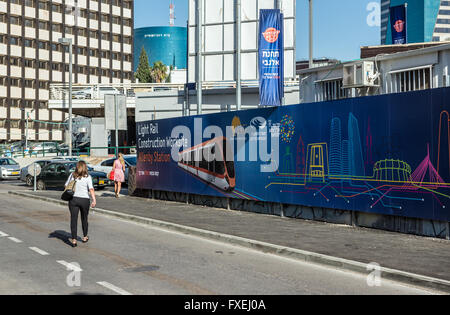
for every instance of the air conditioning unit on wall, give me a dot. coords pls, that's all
(359, 75)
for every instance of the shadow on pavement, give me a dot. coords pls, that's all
(62, 236)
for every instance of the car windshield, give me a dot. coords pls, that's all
(131, 160)
(7, 162)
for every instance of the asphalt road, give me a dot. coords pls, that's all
(128, 258)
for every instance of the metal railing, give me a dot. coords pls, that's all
(60, 91)
(113, 150)
(57, 152)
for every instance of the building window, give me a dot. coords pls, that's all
(410, 80)
(330, 90)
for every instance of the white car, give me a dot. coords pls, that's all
(95, 92)
(106, 166)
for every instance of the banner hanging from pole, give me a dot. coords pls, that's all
(399, 24)
(271, 58)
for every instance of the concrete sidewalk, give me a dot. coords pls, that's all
(411, 254)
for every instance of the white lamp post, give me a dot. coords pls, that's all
(68, 41)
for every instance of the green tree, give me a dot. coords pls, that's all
(159, 72)
(144, 71)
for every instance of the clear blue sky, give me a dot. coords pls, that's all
(340, 25)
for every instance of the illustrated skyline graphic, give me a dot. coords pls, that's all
(341, 172)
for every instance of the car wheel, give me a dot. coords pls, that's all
(29, 181)
(41, 185)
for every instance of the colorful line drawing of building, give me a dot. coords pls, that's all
(346, 158)
(419, 177)
(301, 156)
(390, 184)
(355, 152)
(288, 161)
(317, 162)
(392, 170)
(336, 148)
(369, 145)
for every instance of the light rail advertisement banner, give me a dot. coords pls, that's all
(386, 154)
(399, 24)
(271, 58)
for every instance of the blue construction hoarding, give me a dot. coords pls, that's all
(386, 154)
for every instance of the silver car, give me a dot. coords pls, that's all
(9, 169)
(28, 178)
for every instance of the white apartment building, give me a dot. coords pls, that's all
(406, 71)
(31, 57)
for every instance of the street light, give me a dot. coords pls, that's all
(68, 41)
(26, 136)
(311, 58)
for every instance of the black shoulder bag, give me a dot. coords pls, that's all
(69, 191)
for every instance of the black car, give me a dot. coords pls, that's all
(55, 175)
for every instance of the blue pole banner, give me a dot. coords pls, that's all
(399, 24)
(387, 154)
(271, 57)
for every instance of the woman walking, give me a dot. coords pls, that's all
(119, 174)
(81, 201)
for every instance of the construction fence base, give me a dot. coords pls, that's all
(420, 227)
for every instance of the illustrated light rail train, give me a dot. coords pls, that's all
(219, 172)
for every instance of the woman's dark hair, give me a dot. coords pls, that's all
(81, 170)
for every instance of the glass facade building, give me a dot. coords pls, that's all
(166, 43)
(428, 20)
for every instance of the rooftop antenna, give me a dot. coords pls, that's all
(172, 13)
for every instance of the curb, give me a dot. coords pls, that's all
(298, 254)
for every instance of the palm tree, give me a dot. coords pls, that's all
(159, 72)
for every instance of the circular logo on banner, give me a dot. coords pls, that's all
(258, 123)
(399, 26)
(271, 35)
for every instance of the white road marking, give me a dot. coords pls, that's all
(69, 266)
(113, 288)
(3, 234)
(15, 240)
(39, 251)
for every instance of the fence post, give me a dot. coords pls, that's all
(353, 223)
(448, 231)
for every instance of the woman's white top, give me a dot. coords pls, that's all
(82, 186)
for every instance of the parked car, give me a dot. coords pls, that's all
(47, 147)
(106, 166)
(55, 175)
(28, 178)
(9, 169)
(95, 93)
(3, 150)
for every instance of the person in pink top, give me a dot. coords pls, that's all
(119, 174)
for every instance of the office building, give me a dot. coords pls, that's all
(427, 20)
(31, 57)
